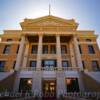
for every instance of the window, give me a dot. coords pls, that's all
(88, 40)
(65, 64)
(14, 63)
(25, 85)
(45, 49)
(9, 39)
(63, 49)
(95, 65)
(2, 64)
(80, 49)
(78, 40)
(34, 49)
(20, 39)
(17, 49)
(6, 49)
(53, 49)
(83, 63)
(32, 63)
(72, 84)
(49, 63)
(91, 49)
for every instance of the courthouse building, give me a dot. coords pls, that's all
(49, 55)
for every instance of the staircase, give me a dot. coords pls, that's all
(7, 81)
(91, 81)
(3, 75)
(94, 75)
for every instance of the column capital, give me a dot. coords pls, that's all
(40, 35)
(57, 35)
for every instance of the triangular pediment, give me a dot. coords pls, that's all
(48, 21)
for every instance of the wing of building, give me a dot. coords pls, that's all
(49, 55)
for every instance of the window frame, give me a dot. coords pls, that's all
(95, 65)
(53, 49)
(49, 65)
(35, 49)
(67, 63)
(63, 49)
(80, 49)
(6, 49)
(2, 67)
(35, 63)
(91, 49)
(83, 64)
(45, 49)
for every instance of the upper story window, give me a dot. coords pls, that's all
(88, 40)
(45, 49)
(9, 40)
(14, 63)
(34, 49)
(91, 49)
(17, 49)
(78, 40)
(20, 39)
(7, 49)
(65, 63)
(2, 64)
(53, 49)
(63, 49)
(32, 63)
(83, 63)
(80, 49)
(95, 65)
(49, 63)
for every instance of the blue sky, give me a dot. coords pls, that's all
(85, 12)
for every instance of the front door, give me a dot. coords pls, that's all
(49, 89)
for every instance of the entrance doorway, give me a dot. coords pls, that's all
(49, 89)
(72, 85)
(25, 85)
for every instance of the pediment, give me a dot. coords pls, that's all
(48, 21)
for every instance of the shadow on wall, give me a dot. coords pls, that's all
(90, 84)
(8, 83)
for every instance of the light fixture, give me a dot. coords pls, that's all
(68, 81)
(29, 81)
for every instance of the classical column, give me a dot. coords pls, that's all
(58, 49)
(26, 56)
(39, 53)
(37, 77)
(77, 53)
(60, 74)
(20, 54)
(37, 82)
(61, 85)
(79, 62)
(72, 55)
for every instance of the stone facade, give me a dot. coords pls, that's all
(51, 31)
